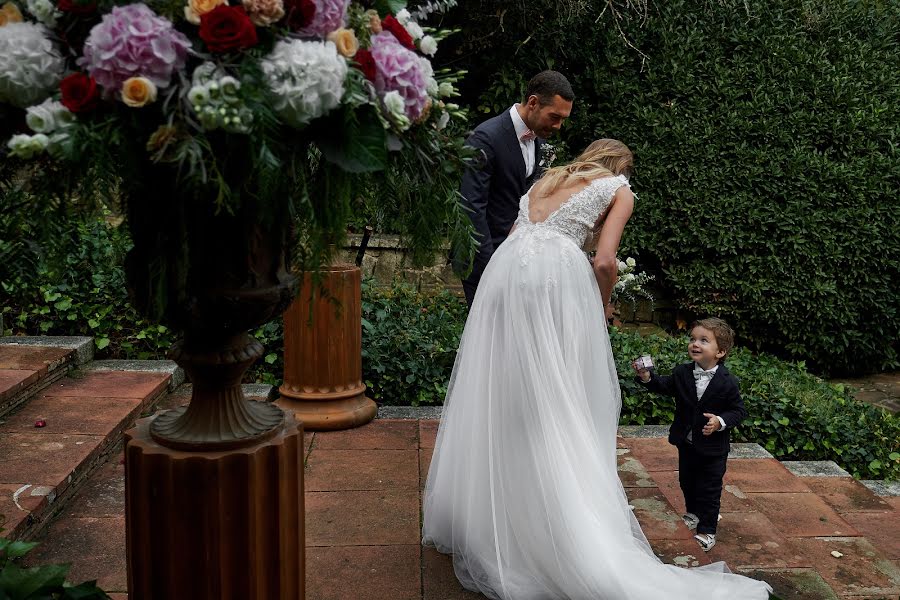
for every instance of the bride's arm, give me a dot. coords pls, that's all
(605, 263)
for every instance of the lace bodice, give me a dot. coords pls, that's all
(576, 216)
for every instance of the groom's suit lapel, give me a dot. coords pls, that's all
(512, 145)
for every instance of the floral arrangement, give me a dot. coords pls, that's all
(287, 104)
(630, 285)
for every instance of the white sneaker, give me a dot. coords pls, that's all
(691, 520)
(706, 540)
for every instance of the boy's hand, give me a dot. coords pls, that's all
(643, 373)
(712, 425)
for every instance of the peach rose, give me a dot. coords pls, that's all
(195, 8)
(10, 13)
(374, 21)
(345, 40)
(138, 91)
(264, 12)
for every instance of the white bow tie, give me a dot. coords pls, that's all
(701, 374)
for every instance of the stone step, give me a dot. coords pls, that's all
(85, 413)
(30, 364)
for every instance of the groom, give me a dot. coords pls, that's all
(510, 146)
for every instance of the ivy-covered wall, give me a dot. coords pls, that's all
(766, 135)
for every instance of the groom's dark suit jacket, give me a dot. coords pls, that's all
(722, 397)
(491, 189)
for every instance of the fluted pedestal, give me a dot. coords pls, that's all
(224, 525)
(323, 353)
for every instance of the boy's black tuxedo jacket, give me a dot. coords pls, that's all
(722, 397)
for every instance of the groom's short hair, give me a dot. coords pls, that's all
(548, 84)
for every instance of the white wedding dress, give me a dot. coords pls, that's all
(522, 488)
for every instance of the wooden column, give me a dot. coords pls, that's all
(323, 384)
(223, 525)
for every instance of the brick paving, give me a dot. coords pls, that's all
(781, 522)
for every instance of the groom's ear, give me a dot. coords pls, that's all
(533, 102)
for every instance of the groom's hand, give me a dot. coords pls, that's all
(712, 425)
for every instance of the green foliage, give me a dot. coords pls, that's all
(792, 413)
(38, 583)
(409, 343)
(767, 143)
(83, 295)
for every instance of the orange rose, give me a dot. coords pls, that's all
(346, 42)
(374, 21)
(10, 13)
(196, 8)
(138, 92)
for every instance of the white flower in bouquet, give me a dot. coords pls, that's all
(428, 45)
(26, 146)
(395, 106)
(306, 79)
(446, 89)
(414, 30)
(30, 66)
(443, 120)
(48, 116)
(630, 262)
(403, 16)
(44, 11)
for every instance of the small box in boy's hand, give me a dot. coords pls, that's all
(644, 362)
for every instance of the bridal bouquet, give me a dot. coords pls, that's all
(630, 285)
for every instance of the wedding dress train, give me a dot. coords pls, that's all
(523, 489)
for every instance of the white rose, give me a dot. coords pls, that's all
(629, 277)
(414, 29)
(630, 262)
(428, 45)
(403, 16)
(622, 265)
(446, 89)
(394, 103)
(42, 117)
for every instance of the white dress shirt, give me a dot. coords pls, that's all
(527, 147)
(702, 384)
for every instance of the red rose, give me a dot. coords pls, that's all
(365, 62)
(227, 28)
(299, 13)
(389, 23)
(77, 7)
(79, 92)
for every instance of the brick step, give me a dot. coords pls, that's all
(94, 517)
(85, 413)
(30, 364)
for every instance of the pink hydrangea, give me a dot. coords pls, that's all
(133, 41)
(398, 69)
(329, 15)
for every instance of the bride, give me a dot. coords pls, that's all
(523, 489)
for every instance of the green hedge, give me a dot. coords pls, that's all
(767, 141)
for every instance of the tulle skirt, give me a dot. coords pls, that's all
(523, 489)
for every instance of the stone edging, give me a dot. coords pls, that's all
(82, 345)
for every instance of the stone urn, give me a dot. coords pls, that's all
(323, 384)
(214, 489)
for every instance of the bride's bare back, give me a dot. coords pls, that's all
(540, 207)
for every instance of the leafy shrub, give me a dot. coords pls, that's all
(409, 343)
(792, 413)
(767, 156)
(84, 295)
(38, 583)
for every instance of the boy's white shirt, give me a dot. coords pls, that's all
(702, 384)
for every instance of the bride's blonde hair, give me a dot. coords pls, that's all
(601, 159)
